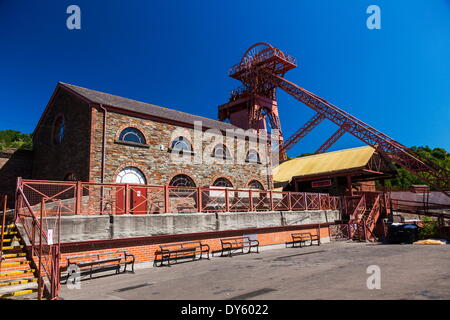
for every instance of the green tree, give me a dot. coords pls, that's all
(12, 139)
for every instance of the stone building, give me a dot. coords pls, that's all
(92, 136)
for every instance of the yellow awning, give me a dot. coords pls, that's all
(324, 163)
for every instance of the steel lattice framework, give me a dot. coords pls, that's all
(264, 71)
(331, 140)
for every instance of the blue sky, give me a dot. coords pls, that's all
(176, 54)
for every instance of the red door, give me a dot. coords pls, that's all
(138, 200)
(120, 200)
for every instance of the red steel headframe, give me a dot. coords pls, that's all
(271, 74)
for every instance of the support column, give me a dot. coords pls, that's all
(349, 185)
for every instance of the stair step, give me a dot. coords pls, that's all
(9, 233)
(15, 263)
(17, 282)
(14, 255)
(17, 293)
(11, 240)
(12, 273)
(8, 226)
(13, 247)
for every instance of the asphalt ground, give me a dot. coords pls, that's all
(337, 270)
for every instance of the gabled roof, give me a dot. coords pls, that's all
(324, 163)
(106, 99)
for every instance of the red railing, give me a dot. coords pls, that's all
(41, 222)
(87, 198)
(2, 227)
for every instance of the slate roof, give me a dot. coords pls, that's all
(107, 99)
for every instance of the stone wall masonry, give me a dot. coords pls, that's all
(156, 163)
(55, 161)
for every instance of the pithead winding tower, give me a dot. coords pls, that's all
(254, 106)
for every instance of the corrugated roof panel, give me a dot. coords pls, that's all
(329, 162)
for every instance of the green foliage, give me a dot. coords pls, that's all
(11, 139)
(405, 179)
(430, 228)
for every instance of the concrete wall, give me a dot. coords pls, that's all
(81, 228)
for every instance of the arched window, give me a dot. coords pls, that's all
(131, 175)
(252, 156)
(58, 130)
(222, 182)
(132, 135)
(182, 180)
(255, 184)
(70, 177)
(221, 151)
(181, 144)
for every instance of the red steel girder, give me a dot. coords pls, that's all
(432, 174)
(331, 140)
(302, 132)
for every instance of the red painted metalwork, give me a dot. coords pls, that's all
(300, 134)
(331, 140)
(37, 220)
(263, 71)
(87, 198)
(2, 231)
(254, 104)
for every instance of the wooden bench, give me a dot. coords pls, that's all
(175, 251)
(236, 243)
(304, 237)
(98, 262)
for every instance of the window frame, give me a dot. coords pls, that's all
(247, 158)
(188, 143)
(58, 119)
(226, 156)
(140, 134)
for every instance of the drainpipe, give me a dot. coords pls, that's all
(103, 156)
(104, 144)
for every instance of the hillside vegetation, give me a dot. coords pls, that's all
(11, 139)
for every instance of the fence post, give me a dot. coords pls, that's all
(3, 221)
(199, 199)
(227, 201)
(306, 200)
(127, 199)
(271, 200)
(40, 279)
(166, 199)
(79, 194)
(289, 201)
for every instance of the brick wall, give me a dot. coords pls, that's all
(144, 248)
(156, 164)
(54, 161)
